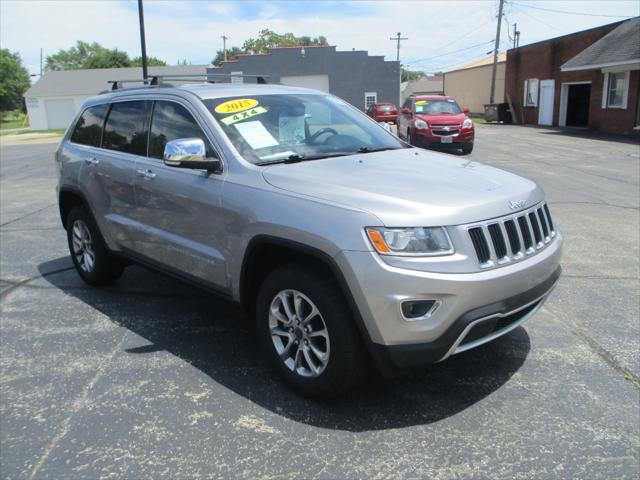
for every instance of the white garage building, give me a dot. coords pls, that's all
(54, 99)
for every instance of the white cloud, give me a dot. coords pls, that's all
(192, 30)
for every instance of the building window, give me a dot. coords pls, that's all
(617, 86)
(531, 92)
(638, 112)
(370, 98)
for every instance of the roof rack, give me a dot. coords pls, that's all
(156, 80)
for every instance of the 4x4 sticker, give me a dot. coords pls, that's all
(231, 119)
(237, 105)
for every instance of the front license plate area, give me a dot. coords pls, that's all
(446, 139)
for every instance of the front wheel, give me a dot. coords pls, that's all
(467, 148)
(307, 331)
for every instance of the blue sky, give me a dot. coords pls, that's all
(441, 34)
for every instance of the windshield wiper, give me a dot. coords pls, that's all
(372, 150)
(295, 158)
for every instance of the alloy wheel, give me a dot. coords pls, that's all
(83, 246)
(299, 333)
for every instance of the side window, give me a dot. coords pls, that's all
(125, 128)
(171, 121)
(88, 130)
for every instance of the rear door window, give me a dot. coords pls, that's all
(171, 121)
(125, 130)
(88, 130)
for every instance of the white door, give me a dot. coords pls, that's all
(317, 82)
(59, 112)
(547, 93)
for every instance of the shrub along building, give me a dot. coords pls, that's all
(354, 76)
(588, 79)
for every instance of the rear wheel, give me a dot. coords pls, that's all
(467, 148)
(93, 261)
(307, 331)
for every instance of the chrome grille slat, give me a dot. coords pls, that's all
(513, 237)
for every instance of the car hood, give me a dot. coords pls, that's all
(448, 118)
(408, 187)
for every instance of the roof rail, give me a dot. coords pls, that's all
(155, 80)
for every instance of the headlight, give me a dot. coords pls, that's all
(468, 123)
(418, 241)
(421, 124)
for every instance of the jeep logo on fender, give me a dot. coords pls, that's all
(516, 204)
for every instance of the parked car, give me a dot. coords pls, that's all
(383, 112)
(348, 247)
(436, 121)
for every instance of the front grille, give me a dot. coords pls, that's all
(513, 237)
(439, 129)
(444, 133)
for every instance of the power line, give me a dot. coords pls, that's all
(540, 21)
(449, 53)
(571, 13)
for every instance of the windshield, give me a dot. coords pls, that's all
(436, 106)
(385, 108)
(275, 128)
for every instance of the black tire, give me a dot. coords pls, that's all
(467, 148)
(106, 267)
(347, 363)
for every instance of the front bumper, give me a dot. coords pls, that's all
(425, 138)
(491, 296)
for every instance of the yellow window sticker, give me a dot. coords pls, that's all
(421, 102)
(231, 119)
(238, 105)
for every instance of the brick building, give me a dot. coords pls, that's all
(588, 79)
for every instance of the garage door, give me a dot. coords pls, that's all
(59, 112)
(317, 82)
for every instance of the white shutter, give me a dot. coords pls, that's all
(605, 90)
(524, 92)
(625, 90)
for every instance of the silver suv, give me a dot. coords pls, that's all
(349, 247)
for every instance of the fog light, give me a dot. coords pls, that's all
(418, 309)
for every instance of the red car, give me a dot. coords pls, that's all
(383, 112)
(436, 120)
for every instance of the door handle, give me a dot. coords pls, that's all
(91, 161)
(146, 174)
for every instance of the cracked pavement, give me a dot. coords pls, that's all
(151, 378)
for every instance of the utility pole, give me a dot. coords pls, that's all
(224, 46)
(516, 36)
(496, 46)
(398, 38)
(143, 43)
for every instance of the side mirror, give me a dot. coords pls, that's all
(406, 110)
(189, 153)
(465, 109)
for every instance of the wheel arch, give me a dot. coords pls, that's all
(264, 253)
(68, 198)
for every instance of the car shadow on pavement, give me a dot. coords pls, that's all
(216, 337)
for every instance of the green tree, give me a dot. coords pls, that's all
(87, 55)
(409, 75)
(14, 80)
(232, 53)
(151, 61)
(269, 39)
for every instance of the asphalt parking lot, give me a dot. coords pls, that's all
(151, 378)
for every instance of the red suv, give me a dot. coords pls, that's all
(436, 120)
(383, 112)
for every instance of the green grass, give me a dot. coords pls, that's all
(27, 130)
(13, 124)
(477, 118)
